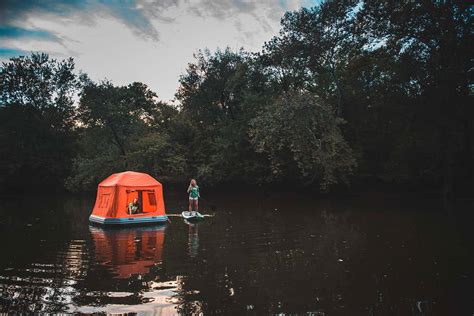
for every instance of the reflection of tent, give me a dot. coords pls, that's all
(128, 251)
(117, 191)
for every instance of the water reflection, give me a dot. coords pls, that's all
(128, 251)
(128, 263)
(193, 238)
(256, 257)
(49, 283)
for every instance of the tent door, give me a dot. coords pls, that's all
(146, 200)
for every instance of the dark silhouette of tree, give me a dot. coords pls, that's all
(384, 86)
(37, 132)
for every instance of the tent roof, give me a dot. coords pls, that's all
(130, 179)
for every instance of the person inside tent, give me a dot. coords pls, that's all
(133, 207)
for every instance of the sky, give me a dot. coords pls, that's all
(149, 41)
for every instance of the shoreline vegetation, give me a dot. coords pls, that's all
(346, 96)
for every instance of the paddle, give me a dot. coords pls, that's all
(179, 215)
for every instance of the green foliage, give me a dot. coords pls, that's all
(397, 72)
(124, 128)
(218, 96)
(212, 88)
(371, 90)
(300, 132)
(37, 128)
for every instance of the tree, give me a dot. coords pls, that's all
(432, 41)
(398, 73)
(301, 136)
(37, 132)
(123, 128)
(211, 88)
(219, 94)
(313, 48)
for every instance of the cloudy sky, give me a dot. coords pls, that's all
(137, 40)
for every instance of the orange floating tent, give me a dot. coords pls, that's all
(116, 193)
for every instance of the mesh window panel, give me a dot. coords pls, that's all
(152, 198)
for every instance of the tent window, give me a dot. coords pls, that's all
(104, 199)
(151, 198)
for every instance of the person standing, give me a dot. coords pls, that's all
(194, 196)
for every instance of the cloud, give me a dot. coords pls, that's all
(221, 9)
(128, 12)
(137, 40)
(13, 10)
(18, 32)
(141, 15)
(11, 52)
(132, 15)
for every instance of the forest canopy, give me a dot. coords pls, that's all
(348, 92)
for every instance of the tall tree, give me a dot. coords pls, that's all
(302, 138)
(37, 131)
(433, 42)
(219, 94)
(398, 73)
(313, 48)
(124, 128)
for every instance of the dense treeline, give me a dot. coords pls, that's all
(347, 92)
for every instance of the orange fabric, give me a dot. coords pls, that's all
(128, 251)
(116, 192)
(130, 179)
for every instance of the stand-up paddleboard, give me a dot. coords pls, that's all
(192, 216)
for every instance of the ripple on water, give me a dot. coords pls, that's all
(320, 260)
(163, 298)
(45, 286)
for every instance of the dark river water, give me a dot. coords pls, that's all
(372, 254)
